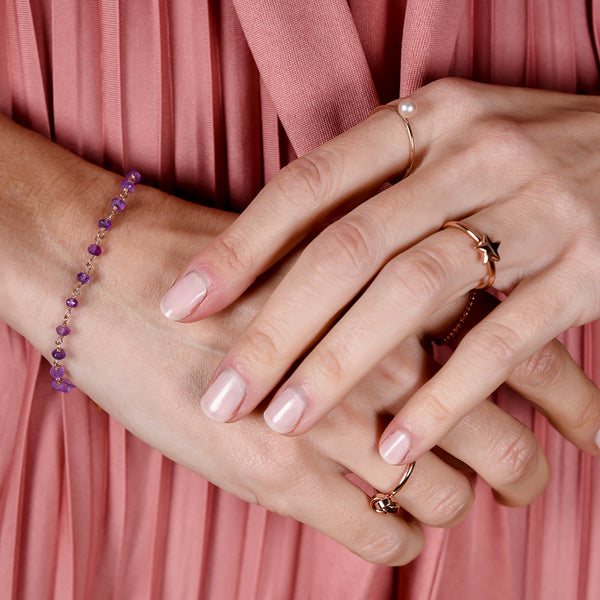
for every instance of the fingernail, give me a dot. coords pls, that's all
(395, 447)
(184, 296)
(597, 439)
(223, 398)
(286, 410)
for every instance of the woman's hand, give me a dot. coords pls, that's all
(518, 165)
(149, 374)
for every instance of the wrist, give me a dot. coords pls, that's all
(49, 198)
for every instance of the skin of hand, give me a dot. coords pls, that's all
(519, 165)
(50, 200)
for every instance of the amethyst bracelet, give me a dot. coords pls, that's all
(59, 382)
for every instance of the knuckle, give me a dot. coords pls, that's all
(459, 99)
(399, 376)
(543, 369)
(382, 547)
(517, 457)
(421, 277)
(452, 91)
(328, 365)
(234, 252)
(451, 504)
(510, 142)
(308, 181)
(497, 344)
(260, 345)
(505, 135)
(585, 414)
(437, 410)
(343, 249)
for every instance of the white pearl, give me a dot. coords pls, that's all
(407, 108)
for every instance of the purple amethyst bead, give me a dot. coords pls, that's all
(63, 330)
(105, 223)
(58, 385)
(58, 354)
(68, 386)
(127, 186)
(95, 249)
(133, 176)
(82, 278)
(118, 202)
(57, 372)
(73, 302)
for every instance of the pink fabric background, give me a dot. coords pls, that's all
(208, 100)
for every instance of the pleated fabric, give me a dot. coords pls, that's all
(209, 99)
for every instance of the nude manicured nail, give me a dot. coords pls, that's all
(223, 398)
(395, 447)
(184, 296)
(286, 410)
(597, 439)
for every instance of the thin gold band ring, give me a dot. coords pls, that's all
(404, 110)
(383, 503)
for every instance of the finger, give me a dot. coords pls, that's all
(345, 168)
(435, 493)
(496, 445)
(483, 360)
(271, 343)
(403, 296)
(503, 451)
(302, 194)
(555, 383)
(338, 508)
(550, 379)
(400, 298)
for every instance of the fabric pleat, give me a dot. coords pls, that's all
(209, 100)
(303, 78)
(23, 66)
(429, 40)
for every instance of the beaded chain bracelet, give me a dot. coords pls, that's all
(59, 382)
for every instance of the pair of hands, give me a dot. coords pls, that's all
(520, 165)
(155, 393)
(149, 373)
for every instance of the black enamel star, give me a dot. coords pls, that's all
(489, 249)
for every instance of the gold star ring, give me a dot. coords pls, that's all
(483, 244)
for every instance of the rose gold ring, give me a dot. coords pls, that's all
(483, 244)
(382, 502)
(404, 110)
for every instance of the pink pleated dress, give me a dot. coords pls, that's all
(208, 100)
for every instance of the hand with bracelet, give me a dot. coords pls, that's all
(492, 164)
(155, 392)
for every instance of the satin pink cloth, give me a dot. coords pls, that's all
(208, 100)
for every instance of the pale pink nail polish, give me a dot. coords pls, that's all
(184, 296)
(395, 447)
(223, 398)
(286, 410)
